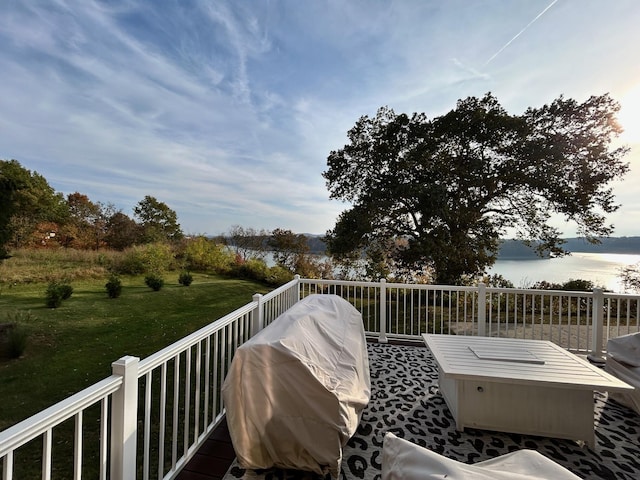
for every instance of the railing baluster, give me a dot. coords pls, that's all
(214, 386)
(77, 447)
(7, 466)
(163, 418)
(196, 413)
(187, 401)
(176, 409)
(104, 437)
(147, 426)
(46, 455)
(207, 382)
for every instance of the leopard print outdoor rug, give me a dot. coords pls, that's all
(405, 401)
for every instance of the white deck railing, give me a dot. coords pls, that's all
(150, 417)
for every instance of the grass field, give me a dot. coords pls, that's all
(73, 346)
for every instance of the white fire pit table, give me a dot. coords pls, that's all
(532, 387)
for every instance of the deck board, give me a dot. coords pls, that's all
(213, 459)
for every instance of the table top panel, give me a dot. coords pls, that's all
(554, 365)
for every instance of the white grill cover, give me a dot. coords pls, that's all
(296, 390)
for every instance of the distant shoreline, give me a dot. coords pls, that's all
(515, 250)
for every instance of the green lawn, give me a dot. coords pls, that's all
(73, 346)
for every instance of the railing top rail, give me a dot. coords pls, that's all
(628, 296)
(459, 288)
(283, 288)
(425, 286)
(534, 291)
(338, 282)
(156, 359)
(21, 433)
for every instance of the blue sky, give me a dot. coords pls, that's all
(227, 111)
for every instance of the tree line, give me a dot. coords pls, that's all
(33, 214)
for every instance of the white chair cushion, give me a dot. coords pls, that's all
(403, 460)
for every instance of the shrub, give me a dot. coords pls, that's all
(113, 286)
(253, 269)
(16, 342)
(66, 290)
(578, 285)
(185, 279)
(157, 257)
(154, 281)
(202, 254)
(56, 293)
(130, 263)
(13, 334)
(278, 276)
(154, 257)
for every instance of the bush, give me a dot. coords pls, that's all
(56, 293)
(16, 342)
(253, 269)
(154, 281)
(185, 279)
(153, 257)
(278, 276)
(14, 335)
(578, 285)
(202, 254)
(66, 291)
(113, 286)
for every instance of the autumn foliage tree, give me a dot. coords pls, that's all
(27, 201)
(158, 222)
(437, 194)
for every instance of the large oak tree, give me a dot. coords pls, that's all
(438, 194)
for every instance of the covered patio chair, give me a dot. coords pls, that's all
(623, 361)
(403, 460)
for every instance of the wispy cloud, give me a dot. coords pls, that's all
(228, 110)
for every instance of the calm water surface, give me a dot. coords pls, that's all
(603, 269)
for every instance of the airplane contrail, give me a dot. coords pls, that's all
(520, 32)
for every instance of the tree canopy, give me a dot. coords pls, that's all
(436, 195)
(157, 220)
(26, 199)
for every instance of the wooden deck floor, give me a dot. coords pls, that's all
(213, 459)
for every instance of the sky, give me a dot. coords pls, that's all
(227, 110)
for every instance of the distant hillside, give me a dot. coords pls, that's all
(514, 249)
(316, 245)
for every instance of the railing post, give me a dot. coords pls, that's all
(124, 419)
(297, 277)
(257, 320)
(597, 326)
(383, 312)
(482, 310)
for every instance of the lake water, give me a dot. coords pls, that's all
(603, 269)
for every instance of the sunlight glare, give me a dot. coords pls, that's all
(629, 115)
